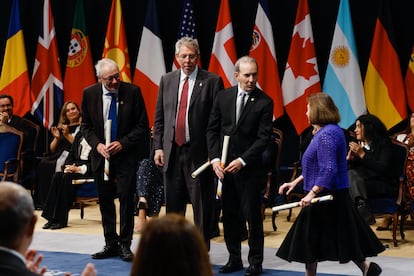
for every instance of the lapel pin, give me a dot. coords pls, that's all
(200, 84)
(121, 102)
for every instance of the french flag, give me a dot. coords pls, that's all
(150, 68)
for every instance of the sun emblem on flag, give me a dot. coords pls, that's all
(255, 40)
(78, 48)
(340, 56)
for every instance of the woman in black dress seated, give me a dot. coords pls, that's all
(62, 192)
(63, 136)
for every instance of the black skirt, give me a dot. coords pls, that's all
(330, 231)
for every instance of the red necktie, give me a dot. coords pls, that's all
(182, 109)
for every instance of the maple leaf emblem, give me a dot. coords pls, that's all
(300, 64)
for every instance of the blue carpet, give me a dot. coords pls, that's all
(59, 262)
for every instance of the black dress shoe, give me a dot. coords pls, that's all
(373, 270)
(55, 226)
(254, 270)
(125, 253)
(107, 252)
(47, 225)
(231, 267)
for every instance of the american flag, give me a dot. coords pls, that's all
(187, 28)
(47, 86)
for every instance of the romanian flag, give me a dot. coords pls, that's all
(116, 47)
(301, 77)
(47, 86)
(79, 66)
(224, 55)
(150, 68)
(384, 86)
(187, 28)
(14, 79)
(409, 82)
(263, 50)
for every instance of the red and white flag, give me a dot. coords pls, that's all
(301, 77)
(47, 85)
(224, 55)
(150, 68)
(263, 50)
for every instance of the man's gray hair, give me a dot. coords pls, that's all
(104, 63)
(188, 42)
(244, 59)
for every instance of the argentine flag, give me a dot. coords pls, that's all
(343, 80)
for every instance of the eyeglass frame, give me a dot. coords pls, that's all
(111, 78)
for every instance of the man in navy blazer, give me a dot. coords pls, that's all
(123, 153)
(179, 161)
(244, 113)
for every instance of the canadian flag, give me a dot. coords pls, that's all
(224, 55)
(301, 77)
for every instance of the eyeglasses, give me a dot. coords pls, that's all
(111, 78)
(191, 57)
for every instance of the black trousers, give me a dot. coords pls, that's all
(241, 193)
(181, 188)
(122, 186)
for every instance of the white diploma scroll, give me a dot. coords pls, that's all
(200, 169)
(297, 204)
(223, 162)
(108, 125)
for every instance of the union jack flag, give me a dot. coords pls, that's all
(47, 85)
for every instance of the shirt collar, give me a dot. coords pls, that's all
(192, 76)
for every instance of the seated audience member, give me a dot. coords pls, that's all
(150, 191)
(171, 246)
(8, 117)
(62, 192)
(63, 136)
(17, 209)
(369, 163)
(407, 137)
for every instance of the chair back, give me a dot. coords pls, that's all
(399, 157)
(11, 141)
(278, 139)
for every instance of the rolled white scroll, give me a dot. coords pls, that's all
(108, 125)
(223, 162)
(200, 169)
(297, 204)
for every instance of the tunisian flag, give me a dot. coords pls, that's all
(224, 55)
(79, 66)
(116, 47)
(301, 76)
(263, 50)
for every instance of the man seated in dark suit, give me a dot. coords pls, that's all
(62, 192)
(244, 113)
(16, 234)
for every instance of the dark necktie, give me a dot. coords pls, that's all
(112, 116)
(241, 105)
(182, 109)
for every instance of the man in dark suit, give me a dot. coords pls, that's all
(123, 152)
(244, 113)
(16, 234)
(185, 98)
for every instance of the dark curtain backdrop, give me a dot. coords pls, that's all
(283, 12)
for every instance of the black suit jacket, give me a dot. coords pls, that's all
(11, 265)
(250, 136)
(132, 124)
(205, 89)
